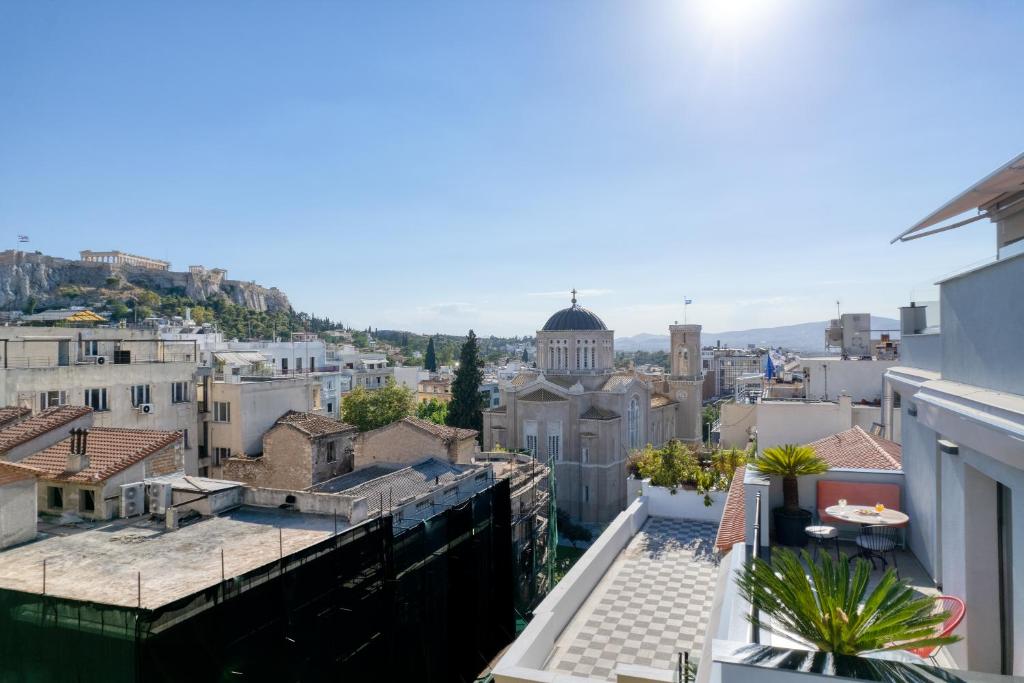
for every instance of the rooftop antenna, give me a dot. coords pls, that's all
(838, 314)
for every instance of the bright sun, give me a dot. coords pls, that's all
(733, 17)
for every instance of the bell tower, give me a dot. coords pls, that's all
(686, 380)
(685, 348)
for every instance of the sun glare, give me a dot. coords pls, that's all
(733, 17)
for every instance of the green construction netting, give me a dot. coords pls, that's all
(432, 602)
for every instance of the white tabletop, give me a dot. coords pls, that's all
(865, 514)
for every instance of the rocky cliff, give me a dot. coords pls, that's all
(51, 281)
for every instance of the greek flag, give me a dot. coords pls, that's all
(23, 238)
(687, 301)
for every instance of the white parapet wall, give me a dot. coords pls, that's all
(683, 504)
(524, 660)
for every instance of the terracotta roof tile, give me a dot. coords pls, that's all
(616, 381)
(11, 414)
(110, 450)
(444, 432)
(732, 528)
(11, 472)
(541, 395)
(660, 400)
(313, 424)
(856, 449)
(48, 420)
(522, 379)
(599, 413)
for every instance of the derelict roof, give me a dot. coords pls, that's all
(1007, 179)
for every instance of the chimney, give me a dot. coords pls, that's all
(78, 460)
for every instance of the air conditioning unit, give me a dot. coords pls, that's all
(133, 501)
(146, 408)
(160, 498)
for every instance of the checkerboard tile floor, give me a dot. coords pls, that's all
(653, 602)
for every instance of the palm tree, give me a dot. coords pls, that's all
(832, 611)
(789, 462)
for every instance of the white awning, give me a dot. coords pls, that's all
(1007, 179)
(240, 357)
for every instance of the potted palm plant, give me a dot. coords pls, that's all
(831, 610)
(789, 462)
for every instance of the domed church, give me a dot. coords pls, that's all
(577, 411)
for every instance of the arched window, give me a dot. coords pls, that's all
(633, 422)
(593, 356)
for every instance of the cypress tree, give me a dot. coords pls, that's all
(526, 356)
(464, 408)
(430, 359)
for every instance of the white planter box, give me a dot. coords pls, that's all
(684, 504)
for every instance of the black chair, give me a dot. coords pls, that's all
(821, 535)
(878, 539)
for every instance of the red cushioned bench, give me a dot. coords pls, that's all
(855, 493)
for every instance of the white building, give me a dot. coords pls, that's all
(130, 378)
(957, 405)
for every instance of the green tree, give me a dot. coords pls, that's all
(430, 358)
(372, 409)
(789, 462)
(464, 409)
(526, 355)
(433, 410)
(570, 530)
(831, 610)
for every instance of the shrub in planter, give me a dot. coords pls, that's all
(789, 462)
(674, 465)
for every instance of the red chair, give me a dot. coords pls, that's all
(957, 609)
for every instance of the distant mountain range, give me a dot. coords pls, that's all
(803, 337)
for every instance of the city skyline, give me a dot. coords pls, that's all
(385, 175)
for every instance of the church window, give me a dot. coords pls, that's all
(593, 357)
(554, 441)
(633, 424)
(586, 494)
(530, 436)
(585, 454)
(577, 358)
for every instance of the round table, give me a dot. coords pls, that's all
(865, 514)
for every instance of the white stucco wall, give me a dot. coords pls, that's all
(830, 377)
(17, 512)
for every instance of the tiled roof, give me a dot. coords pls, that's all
(110, 450)
(616, 381)
(11, 414)
(523, 378)
(564, 381)
(599, 413)
(313, 424)
(541, 395)
(659, 400)
(48, 420)
(734, 516)
(11, 472)
(857, 449)
(443, 432)
(418, 479)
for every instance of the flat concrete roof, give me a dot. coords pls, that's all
(102, 563)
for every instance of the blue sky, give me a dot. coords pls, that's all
(439, 166)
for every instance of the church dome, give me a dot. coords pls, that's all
(574, 318)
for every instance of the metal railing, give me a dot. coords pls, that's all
(754, 630)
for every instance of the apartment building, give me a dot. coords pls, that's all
(131, 379)
(956, 402)
(238, 410)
